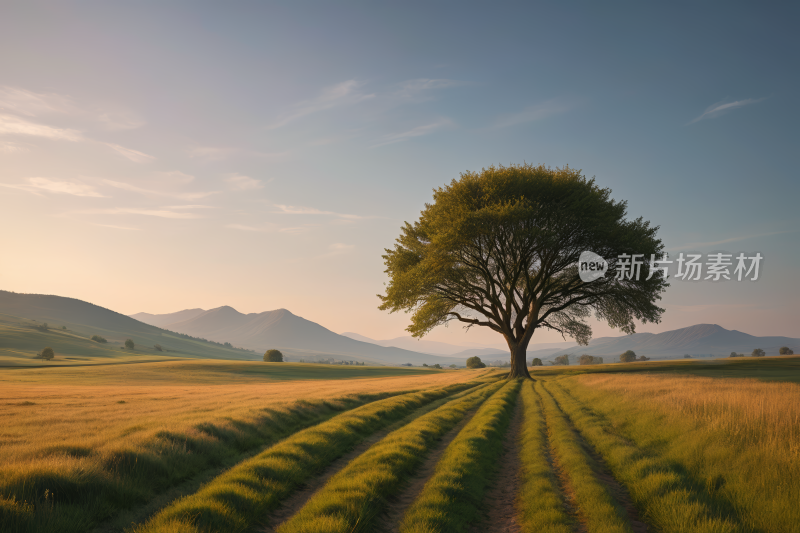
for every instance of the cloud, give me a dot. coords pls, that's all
(161, 213)
(120, 119)
(697, 245)
(300, 210)
(341, 94)
(117, 227)
(243, 183)
(242, 227)
(8, 147)
(151, 192)
(533, 113)
(337, 248)
(134, 155)
(720, 109)
(415, 132)
(35, 185)
(190, 207)
(18, 126)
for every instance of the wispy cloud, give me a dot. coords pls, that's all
(419, 131)
(8, 147)
(243, 183)
(698, 245)
(220, 153)
(416, 89)
(134, 155)
(190, 207)
(37, 185)
(341, 94)
(242, 227)
(161, 213)
(337, 248)
(19, 126)
(152, 192)
(533, 113)
(719, 109)
(300, 210)
(117, 227)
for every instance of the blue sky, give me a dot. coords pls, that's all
(261, 155)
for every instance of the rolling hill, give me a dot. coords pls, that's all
(293, 335)
(697, 340)
(22, 316)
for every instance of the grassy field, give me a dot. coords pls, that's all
(191, 446)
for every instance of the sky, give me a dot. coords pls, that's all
(161, 156)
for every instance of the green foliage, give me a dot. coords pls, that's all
(561, 360)
(47, 354)
(500, 249)
(758, 352)
(273, 356)
(437, 365)
(785, 350)
(590, 360)
(643, 358)
(157, 347)
(475, 362)
(627, 357)
(536, 362)
(129, 344)
(98, 338)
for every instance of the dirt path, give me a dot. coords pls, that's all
(390, 519)
(501, 498)
(604, 475)
(298, 499)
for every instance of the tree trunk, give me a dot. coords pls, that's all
(519, 366)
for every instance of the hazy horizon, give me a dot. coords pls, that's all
(158, 157)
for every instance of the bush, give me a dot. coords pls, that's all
(785, 350)
(47, 354)
(98, 338)
(536, 362)
(453, 366)
(129, 344)
(733, 354)
(687, 356)
(643, 358)
(758, 352)
(437, 365)
(273, 356)
(627, 357)
(590, 360)
(561, 360)
(475, 362)
(157, 347)
(63, 327)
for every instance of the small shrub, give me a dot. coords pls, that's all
(785, 350)
(643, 358)
(98, 338)
(129, 344)
(63, 327)
(475, 362)
(627, 357)
(273, 356)
(157, 347)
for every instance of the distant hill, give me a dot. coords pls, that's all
(698, 340)
(85, 319)
(161, 321)
(293, 335)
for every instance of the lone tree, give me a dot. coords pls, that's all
(627, 357)
(273, 356)
(475, 362)
(47, 354)
(500, 249)
(758, 352)
(785, 350)
(129, 344)
(562, 360)
(536, 362)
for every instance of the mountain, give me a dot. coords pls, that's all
(83, 319)
(701, 339)
(293, 335)
(161, 321)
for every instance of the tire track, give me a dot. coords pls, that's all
(396, 508)
(604, 475)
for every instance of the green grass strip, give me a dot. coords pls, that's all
(596, 506)
(451, 500)
(352, 498)
(541, 506)
(656, 486)
(237, 499)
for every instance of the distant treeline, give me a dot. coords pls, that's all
(221, 344)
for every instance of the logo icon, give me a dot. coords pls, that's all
(591, 266)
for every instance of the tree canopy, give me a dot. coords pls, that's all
(273, 356)
(500, 248)
(475, 362)
(48, 354)
(628, 357)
